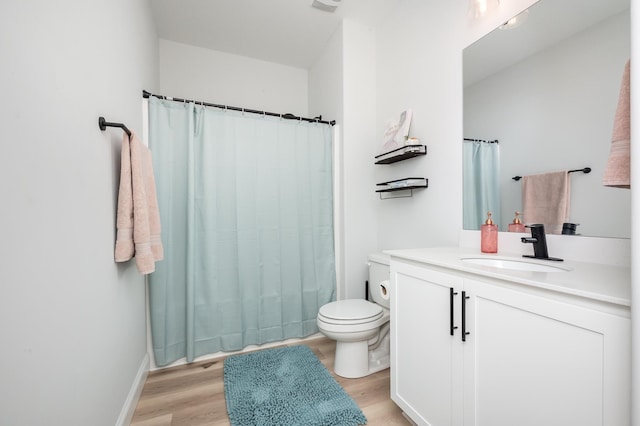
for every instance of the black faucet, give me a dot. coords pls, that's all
(539, 240)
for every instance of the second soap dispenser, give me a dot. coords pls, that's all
(517, 225)
(489, 236)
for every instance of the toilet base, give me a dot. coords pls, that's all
(354, 359)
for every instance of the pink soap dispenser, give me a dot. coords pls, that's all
(489, 236)
(517, 225)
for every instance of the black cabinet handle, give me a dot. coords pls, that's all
(451, 326)
(464, 316)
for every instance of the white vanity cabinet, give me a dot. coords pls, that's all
(531, 356)
(426, 360)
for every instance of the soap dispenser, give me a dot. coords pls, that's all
(489, 236)
(517, 225)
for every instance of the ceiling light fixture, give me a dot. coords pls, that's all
(326, 5)
(479, 8)
(516, 21)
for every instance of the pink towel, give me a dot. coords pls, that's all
(546, 199)
(138, 218)
(617, 172)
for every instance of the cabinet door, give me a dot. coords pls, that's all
(531, 361)
(426, 360)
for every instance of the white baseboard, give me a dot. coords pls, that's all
(129, 407)
(408, 419)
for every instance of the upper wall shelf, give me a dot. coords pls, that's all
(402, 153)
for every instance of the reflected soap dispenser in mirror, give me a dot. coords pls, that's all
(517, 225)
(489, 236)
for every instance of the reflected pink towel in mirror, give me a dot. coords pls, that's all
(546, 199)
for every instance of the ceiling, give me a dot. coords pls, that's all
(291, 32)
(549, 21)
(288, 32)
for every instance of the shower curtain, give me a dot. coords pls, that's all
(247, 224)
(481, 185)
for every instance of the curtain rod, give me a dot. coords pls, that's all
(288, 116)
(480, 140)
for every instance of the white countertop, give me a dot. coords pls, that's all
(606, 283)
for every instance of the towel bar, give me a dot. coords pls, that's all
(103, 124)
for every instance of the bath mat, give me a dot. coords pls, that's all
(285, 386)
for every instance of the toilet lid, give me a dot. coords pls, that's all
(351, 310)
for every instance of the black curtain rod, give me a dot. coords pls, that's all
(288, 116)
(585, 170)
(103, 124)
(481, 140)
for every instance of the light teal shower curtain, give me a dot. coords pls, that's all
(481, 184)
(246, 205)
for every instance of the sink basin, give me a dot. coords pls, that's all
(513, 264)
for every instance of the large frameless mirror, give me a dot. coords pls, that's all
(541, 97)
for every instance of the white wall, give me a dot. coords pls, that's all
(360, 213)
(221, 78)
(582, 76)
(342, 87)
(72, 321)
(419, 66)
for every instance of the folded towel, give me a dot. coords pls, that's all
(124, 217)
(617, 172)
(138, 220)
(546, 199)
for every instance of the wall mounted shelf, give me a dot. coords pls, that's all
(406, 184)
(403, 153)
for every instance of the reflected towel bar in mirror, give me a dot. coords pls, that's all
(585, 170)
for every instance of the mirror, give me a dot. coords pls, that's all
(547, 91)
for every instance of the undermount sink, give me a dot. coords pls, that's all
(513, 264)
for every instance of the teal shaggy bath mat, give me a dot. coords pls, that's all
(285, 386)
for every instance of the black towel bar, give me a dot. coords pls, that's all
(585, 170)
(103, 124)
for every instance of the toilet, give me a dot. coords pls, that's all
(361, 327)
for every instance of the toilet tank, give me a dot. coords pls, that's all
(379, 278)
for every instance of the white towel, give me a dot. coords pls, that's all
(138, 218)
(546, 200)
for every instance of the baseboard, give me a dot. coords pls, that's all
(129, 407)
(408, 419)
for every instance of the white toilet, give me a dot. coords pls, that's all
(360, 327)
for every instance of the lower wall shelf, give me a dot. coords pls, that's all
(406, 184)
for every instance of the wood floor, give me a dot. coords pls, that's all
(193, 394)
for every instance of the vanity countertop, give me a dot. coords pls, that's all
(606, 283)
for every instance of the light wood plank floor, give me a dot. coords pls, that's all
(193, 394)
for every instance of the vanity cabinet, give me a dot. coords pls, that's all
(426, 360)
(528, 358)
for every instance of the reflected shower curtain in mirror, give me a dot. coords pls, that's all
(481, 186)
(247, 208)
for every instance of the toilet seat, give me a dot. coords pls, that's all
(350, 312)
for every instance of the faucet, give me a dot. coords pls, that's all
(539, 241)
